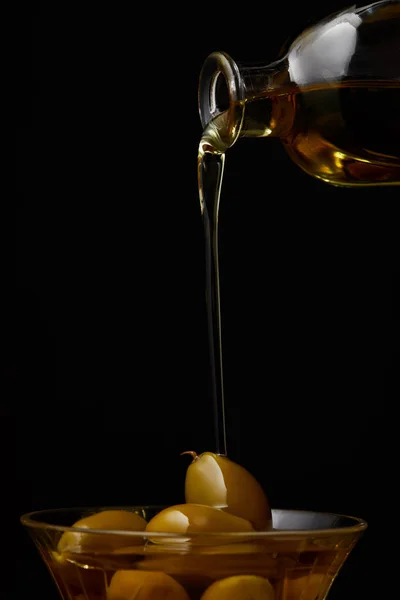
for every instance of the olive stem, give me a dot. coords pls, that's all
(192, 454)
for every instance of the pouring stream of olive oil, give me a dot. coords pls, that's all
(346, 134)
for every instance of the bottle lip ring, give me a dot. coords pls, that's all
(221, 64)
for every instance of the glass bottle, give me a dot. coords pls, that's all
(333, 98)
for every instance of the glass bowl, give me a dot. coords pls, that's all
(297, 560)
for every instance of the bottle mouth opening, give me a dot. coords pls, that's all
(221, 92)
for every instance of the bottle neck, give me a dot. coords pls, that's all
(236, 100)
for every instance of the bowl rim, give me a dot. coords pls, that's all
(28, 520)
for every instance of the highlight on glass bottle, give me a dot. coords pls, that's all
(333, 99)
(108, 554)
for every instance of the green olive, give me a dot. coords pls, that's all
(117, 520)
(196, 518)
(217, 481)
(144, 585)
(240, 587)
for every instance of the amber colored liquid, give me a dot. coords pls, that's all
(346, 134)
(297, 572)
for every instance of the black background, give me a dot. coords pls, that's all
(106, 364)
